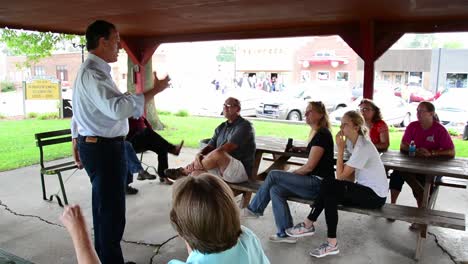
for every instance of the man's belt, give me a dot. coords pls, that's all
(96, 139)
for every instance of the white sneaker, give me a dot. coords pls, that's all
(324, 250)
(246, 213)
(287, 239)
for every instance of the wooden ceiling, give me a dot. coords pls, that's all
(189, 20)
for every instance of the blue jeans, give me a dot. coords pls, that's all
(133, 163)
(278, 186)
(106, 165)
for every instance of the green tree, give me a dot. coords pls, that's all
(226, 54)
(422, 41)
(151, 113)
(453, 45)
(32, 44)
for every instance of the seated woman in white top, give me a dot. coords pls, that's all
(361, 182)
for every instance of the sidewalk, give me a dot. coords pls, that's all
(29, 226)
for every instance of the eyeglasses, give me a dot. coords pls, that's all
(365, 109)
(229, 105)
(421, 110)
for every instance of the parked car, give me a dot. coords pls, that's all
(416, 93)
(452, 109)
(379, 86)
(249, 99)
(291, 104)
(395, 111)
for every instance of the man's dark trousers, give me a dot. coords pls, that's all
(150, 140)
(105, 163)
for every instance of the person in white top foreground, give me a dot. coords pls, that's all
(360, 182)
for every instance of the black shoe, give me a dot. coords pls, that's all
(174, 174)
(130, 190)
(176, 150)
(144, 175)
(130, 262)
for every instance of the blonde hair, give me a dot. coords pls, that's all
(324, 122)
(205, 214)
(358, 120)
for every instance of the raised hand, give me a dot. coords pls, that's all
(160, 85)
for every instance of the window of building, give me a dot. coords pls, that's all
(457, 80)
(62, 73)
(342, 76)
(386, 77)
(39, 71)
(323, 75)
(398, 79)
(415, 78)
(325, 53)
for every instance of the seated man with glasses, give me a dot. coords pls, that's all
(230, 153)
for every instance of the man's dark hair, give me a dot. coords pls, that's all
(97, 30)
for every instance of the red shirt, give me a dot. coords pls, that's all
(377, 128)
(137, 125)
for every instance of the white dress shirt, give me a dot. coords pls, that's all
(99, 108)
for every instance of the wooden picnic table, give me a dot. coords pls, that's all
(456, 168)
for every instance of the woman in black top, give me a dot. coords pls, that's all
(303, 182)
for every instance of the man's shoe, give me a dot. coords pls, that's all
(174, 174)
(144, 175)
(177, 149)
(165, 180)
(130, 190)
(282, 239)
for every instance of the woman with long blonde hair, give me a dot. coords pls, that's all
(360, 182)
(303, 182)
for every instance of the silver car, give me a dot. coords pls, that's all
(291, 104)
(452, 109)
(395, 111)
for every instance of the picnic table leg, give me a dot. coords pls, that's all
(246, 196)
(278, 164)
(423, 228)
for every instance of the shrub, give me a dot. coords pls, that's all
(164, 112)
(182, 113)
(32, 115)
(7, 86)
(392, 129)
(453, 132)
(2, 116)
(46, 116)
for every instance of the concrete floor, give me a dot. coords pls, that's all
(29, 226)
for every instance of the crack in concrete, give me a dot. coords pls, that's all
(140, 243)
(26, 215)
(159, 247)
(443, 249)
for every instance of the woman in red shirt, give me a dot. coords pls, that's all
(378, 129)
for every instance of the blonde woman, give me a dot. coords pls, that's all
(360, 182)
(303, 182)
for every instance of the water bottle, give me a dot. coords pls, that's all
(412, 149)
(289, 145)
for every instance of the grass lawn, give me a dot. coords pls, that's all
(18, 149)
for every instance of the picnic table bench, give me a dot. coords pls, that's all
(454, 170)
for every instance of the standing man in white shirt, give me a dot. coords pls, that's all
(99, 127)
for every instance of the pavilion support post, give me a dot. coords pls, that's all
(140, 51)
(368, 55)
